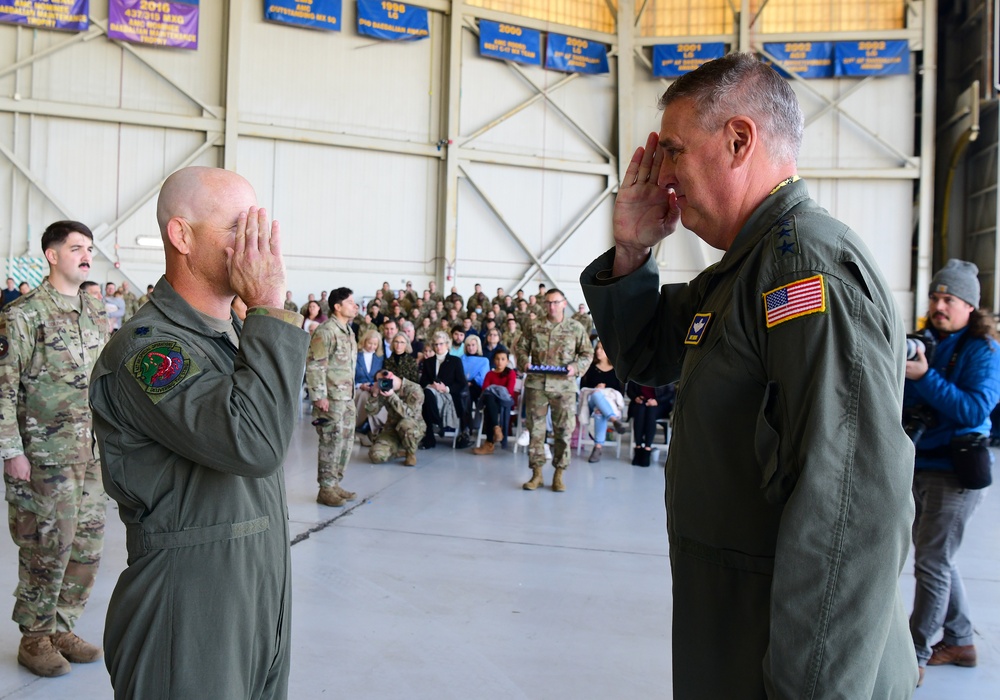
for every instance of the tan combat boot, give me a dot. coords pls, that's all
(536, 479)
(75, 649)
(344, 493)
(411, 459)
(329, 497)
(485, 449)
(557, 482)
(497, 434)
(41, 658)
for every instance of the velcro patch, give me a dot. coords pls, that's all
(699, 324)
(794, 299)
(160, 367)
(4, 347)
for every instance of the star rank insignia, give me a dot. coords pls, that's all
(785, 240)
(699, 324)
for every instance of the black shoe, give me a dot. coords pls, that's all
(428, 444)
(464, 441)
(365, 428)
(637, 457)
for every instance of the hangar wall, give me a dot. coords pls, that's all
(346, 138)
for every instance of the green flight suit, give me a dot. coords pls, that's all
(193, 432)
(788, 476)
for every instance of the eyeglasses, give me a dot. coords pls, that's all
(553, 303)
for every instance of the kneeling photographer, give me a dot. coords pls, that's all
(947, 400)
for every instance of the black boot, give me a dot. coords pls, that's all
(644, 458)
(637, 457)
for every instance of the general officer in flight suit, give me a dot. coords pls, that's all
(194, 412)
(788, 477)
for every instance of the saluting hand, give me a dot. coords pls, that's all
(256, 268)
(645, 213)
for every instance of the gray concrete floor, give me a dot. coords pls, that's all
(449, 581)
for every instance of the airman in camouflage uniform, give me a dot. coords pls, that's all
(557, 341)
(131, 302)
(49, 342)
(333, 357)
(404, 427)
(583, 317)
(290, 305)
(435, 296)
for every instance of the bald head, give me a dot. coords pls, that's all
(195, 193)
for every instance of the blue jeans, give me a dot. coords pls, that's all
(602, 411)
(943, 508)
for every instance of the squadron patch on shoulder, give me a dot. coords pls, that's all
(793, 300)
(160, 367)
(785, 240)
(699, 324)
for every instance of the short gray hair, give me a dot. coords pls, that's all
(740, 83)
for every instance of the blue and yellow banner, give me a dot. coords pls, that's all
(806, 59)
(396, 21)
(567, 53)
(314, 14)
(864, 58)
(510, 42)
(69, 15)
(674, 60)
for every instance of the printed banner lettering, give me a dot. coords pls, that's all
(315, 14)
(510, 42)
(70, 15)
(806, 59)
(674, 60)
(567, 53)
(864, 58)
(396, 21)
(154, 22)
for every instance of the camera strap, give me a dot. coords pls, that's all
(954, 356)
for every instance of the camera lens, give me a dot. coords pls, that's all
(913, 346)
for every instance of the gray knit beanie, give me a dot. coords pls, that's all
(959, 279)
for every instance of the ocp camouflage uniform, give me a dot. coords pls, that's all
(131, 304)
(563, 344)
(324, 307)
(585, 320)
(333, 357)
(291, 306)
(48, 348)
(403, 428)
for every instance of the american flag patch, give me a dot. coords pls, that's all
(796, 299)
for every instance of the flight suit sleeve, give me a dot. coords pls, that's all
(641, 326)
(16, 347)
(239, 423)
(831, 449)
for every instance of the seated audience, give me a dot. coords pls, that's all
(497, 400)
(443, 379)
(401, 361)
(604, 400)
(646, 406)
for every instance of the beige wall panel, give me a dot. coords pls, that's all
(339, 81)
(347, 216)
(490, 88)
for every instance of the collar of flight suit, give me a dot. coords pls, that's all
(177, 309)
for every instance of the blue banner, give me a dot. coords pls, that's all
(510, 42)
(864, 58)
(386, 19)
(806, 59)
(315, 14)
(674, 60)
(567, 53)
(70, 15)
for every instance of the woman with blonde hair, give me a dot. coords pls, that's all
(401, 362)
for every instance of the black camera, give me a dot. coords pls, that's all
(917, 419)
(924, 340)
(385, 384)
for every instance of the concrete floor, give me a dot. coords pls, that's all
(449, 581)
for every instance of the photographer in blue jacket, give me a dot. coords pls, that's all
(952, 385)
